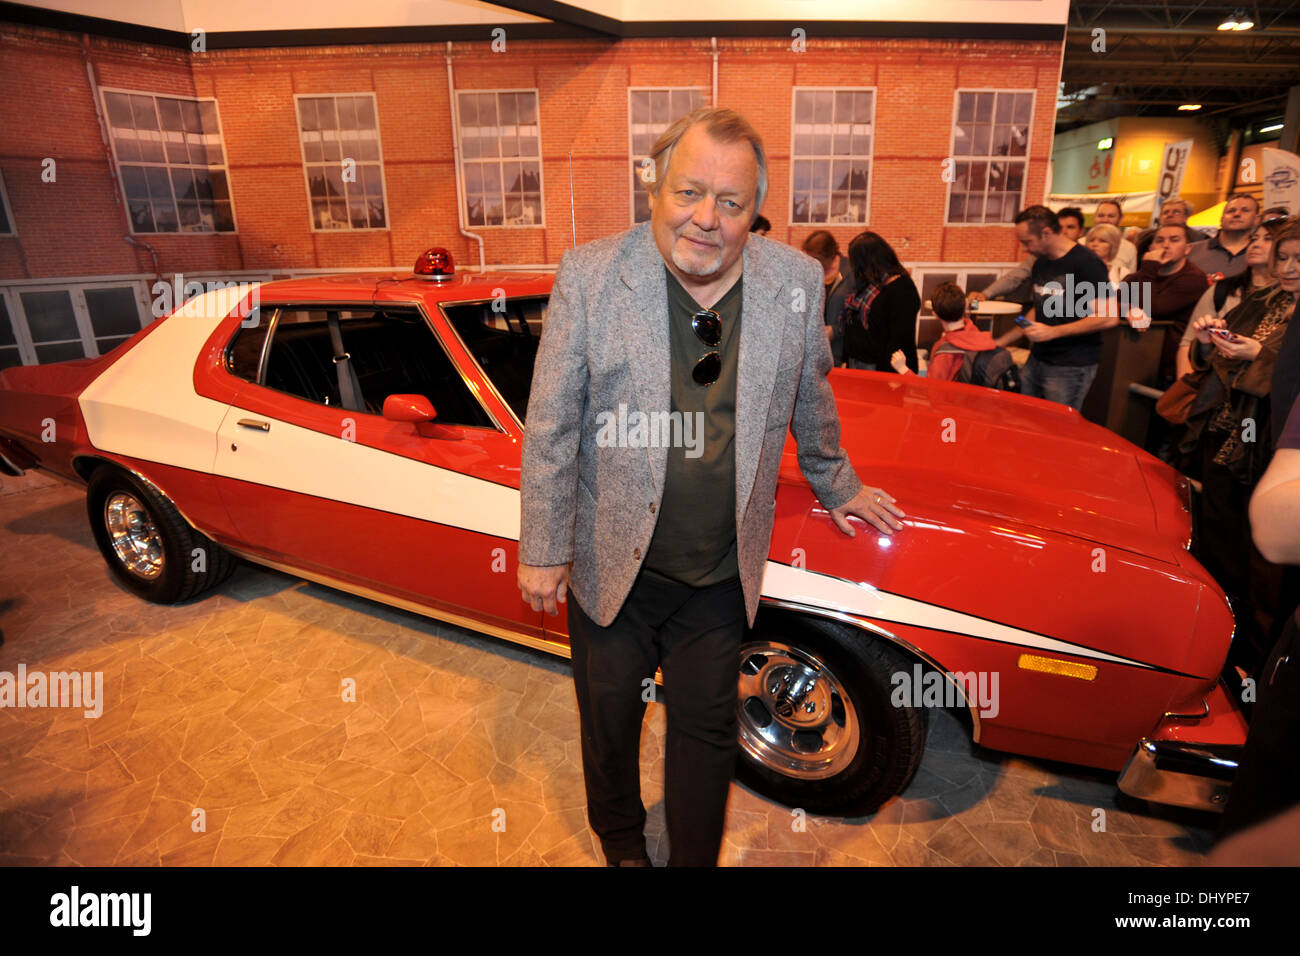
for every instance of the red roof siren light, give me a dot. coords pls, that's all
(436, 264)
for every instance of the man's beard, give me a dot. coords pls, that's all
(680, 261)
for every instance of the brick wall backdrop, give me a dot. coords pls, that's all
(75, 226)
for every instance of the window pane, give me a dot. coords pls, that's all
(245, 352)
(169, 111)
(965, 107)
(347, 113)
(118, 107)
(107, 345)
(220, 190)
(223, 216)
(60, 353)
(7, 336)
(143, 115)
(200, 117)
(133, 179)
(142, 217)
(159, 186)
(639, 106)
(113, 311)
(307, 115)
(528, 109)
(803, 106)
(9, 358)
(164, 215)
(183, 184)
(468, 109)
(50, 316)
(1024, 107)
(509, 113)
(325, 112)
(365, 109)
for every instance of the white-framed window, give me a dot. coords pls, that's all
(831, 141)
(7, 227)
(171, 161)
(342, 159)
(990, 155)
(501, 157)
(649, 112)
(57, 323)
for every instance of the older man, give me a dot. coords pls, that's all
(1174, 211)
(1224, 255)
(686, 315)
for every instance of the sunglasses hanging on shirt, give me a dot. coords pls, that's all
(707, 326)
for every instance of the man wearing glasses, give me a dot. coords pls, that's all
(663, 545)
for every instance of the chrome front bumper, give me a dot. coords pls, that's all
(1181, 774)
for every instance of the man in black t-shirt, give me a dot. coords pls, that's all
(1073, 303)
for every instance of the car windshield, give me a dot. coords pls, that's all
(502, 337)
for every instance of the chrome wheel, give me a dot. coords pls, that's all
(795, 716)
(133, 535)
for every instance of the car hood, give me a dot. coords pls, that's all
(971, 453)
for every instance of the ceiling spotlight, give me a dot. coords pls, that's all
(1189, 107)
(1239, 20)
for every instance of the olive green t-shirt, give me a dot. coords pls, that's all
(694, 541)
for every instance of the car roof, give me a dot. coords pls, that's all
(400, 287)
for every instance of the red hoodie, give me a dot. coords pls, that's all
(969, 338)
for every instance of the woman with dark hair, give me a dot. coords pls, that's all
(1229, 436)
(1226, 294)
(879, 318)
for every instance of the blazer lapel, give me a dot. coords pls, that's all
(641, 306)
(764, 313)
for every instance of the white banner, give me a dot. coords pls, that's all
(1172, 167)
(1282, 179)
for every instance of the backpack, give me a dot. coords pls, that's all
(992, 368)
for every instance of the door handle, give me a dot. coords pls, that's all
(255, 423)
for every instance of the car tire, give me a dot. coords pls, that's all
(817, 727)
(149, 547)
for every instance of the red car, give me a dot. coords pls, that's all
(364, 432)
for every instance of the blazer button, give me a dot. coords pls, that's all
(637, 554)
(652, 507)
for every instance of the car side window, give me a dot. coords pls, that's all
(392, 351)
(244, 354)
(503, 338)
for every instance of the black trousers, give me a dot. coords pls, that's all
(694, 636)
(1224, 546)
(1268, 774)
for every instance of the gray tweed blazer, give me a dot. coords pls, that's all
(605, 344)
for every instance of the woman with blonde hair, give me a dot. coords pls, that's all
(1104, 240)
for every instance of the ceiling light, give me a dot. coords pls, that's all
(1189, 107)
(1239, 20)
(1270, 129)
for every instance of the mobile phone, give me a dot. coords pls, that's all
(1022, 322)
(1224, 334)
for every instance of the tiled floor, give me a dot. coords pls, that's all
(459, 749)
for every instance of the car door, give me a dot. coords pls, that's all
(425, 515)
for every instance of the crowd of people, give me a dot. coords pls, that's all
(1229, 359)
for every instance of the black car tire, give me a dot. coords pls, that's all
(176, 542)
(890, 739)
